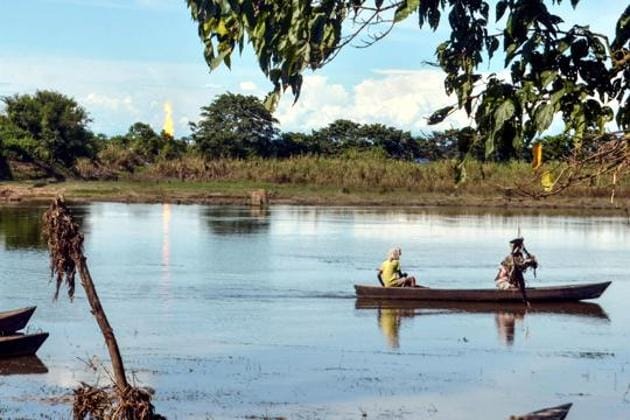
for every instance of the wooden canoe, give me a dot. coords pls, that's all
(21, 344)
(26, 365)
(15, 320)
(552, 413)
(534, 294)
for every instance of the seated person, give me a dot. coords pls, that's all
(390, 274)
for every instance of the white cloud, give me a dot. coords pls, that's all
(248, 86)
(401, 98)
(124, 103)
(117, 93)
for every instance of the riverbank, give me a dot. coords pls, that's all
(238, 192)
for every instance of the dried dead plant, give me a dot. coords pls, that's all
(65, 245)
(121, 400)
(96, 402)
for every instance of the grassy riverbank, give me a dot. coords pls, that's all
(311, 180)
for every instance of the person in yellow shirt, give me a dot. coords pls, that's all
(390, 273)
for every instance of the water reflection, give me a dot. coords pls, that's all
(166, 238)
(22, 366)
(227, 220)
(165, 278)
(389, 323)
(390, 314)
(21, 226)
(506, 325)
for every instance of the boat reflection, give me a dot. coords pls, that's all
(27, 365)
(390, 313)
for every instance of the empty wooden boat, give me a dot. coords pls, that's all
(21, 344)
(552, 413)
(563, 293)
(26, 365)
(15, 320)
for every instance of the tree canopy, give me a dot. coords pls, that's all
(574, 73)
(46, 126)
(236, 126)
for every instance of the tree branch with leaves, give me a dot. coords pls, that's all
(570, 73)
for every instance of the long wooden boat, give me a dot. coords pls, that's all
(552, 413)
(26, 365)
(534, 294)
(428, 307)
(15, 320)
(21, 344)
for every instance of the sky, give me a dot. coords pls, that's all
(123, 59)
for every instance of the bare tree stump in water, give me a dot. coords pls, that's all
(259, 198)
(65, 245)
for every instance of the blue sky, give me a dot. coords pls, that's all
(122, 59)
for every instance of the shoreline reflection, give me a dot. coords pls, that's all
(390, 314)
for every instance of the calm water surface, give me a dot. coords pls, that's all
(230, 312)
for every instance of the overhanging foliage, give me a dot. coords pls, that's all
(572, 73)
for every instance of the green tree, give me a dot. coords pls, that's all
(46, 126)
(293, 144)
(395, 143)
(150, 145)
(573, 73)
(338, 136)
(342, 135)
(454, 144)
(235, 126)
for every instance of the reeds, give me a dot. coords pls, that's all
(366, 174)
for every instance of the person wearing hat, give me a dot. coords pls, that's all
(510, 275)
(390, 273)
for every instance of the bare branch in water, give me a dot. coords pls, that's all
(120, 401)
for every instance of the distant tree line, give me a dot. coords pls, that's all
(50, 131)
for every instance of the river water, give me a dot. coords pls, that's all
(231, 312)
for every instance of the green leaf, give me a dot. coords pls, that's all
(492, 44)
(489, 146)
(434, 18)
(271, 100)
(510, 53)
(216, 61)
(439, 115)
(547, 77)
(622, 31)
(543, 116)
(501, 6)
(405, 9)
(503, 113)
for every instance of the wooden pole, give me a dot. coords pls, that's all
(65, 243)
(118, 366)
